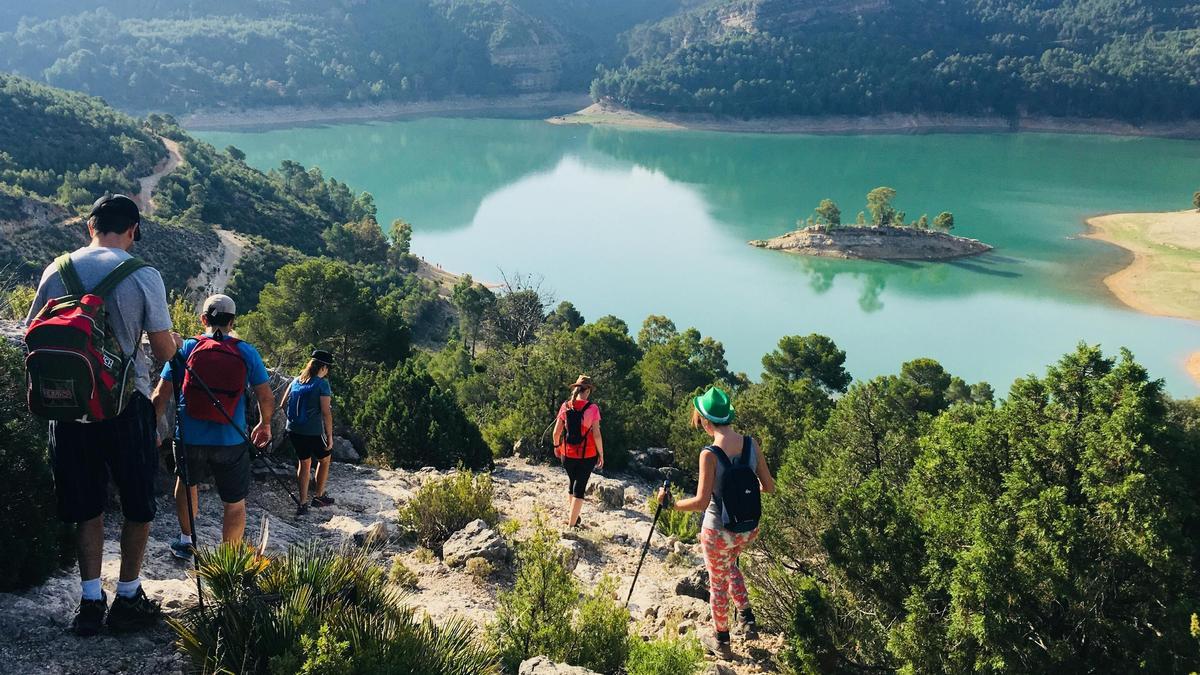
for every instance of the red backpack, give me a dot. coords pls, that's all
(216, 370)
(76, 370)
(575, 438)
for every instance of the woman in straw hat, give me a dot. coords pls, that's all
(577, 442)
(723, 539)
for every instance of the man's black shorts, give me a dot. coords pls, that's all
(308, 447)
(86, 455)
(226, 466)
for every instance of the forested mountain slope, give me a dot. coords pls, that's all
(181, 55)
(1133, 60)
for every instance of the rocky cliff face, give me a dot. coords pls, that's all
(534, 67)
(875, 243)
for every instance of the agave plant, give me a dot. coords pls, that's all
(316, 610)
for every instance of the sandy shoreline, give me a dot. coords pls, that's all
(528, 105)
(601, 115)
(1164, 276)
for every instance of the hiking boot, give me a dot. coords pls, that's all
(90, 616)
(302, 510)
(182, 551)
(322, 500)
(749, 625)
(717, 644)
(133, 613)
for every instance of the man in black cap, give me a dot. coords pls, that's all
(85, 454)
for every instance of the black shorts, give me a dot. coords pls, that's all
(579, 471)
(309, 447)
(226, 466)
(84, 456)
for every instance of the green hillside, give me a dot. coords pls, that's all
(193, 55)
(1133, 60)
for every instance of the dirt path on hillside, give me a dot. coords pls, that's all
(218, 265)
(36, 622)
(150, 183)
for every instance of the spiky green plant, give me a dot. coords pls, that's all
(683, 525)
(312, 609)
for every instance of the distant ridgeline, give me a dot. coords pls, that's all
(1133, 60)
(180, 55)
(883, 236)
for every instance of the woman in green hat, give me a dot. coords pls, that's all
(578, 443)
(732, 476)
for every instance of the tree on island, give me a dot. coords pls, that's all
(828, 214)
(879, 203)
(923, 222)
(1196, 200)
(944, 221)
(402, 233)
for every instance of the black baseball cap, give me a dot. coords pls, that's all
(323, 357)
(116, 213)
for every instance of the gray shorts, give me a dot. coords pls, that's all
(226, 466)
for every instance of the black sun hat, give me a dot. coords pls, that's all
(117, 213)
(322, 357)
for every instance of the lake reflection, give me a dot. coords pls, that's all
(633, 223)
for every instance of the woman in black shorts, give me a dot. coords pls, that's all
(310, 426)
(577, 442)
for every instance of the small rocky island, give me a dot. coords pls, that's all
(885, 236)
(874, 243)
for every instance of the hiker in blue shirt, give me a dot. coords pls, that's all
(310, 426)
(220, 367)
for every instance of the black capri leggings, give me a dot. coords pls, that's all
(579, 471)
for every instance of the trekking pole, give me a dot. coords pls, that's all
(666, 486)
(241, 432)
(181, 464)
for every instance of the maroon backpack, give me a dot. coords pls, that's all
(216, 370)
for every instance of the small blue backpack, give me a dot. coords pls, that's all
(297, 409)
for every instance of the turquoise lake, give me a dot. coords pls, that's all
(632, 223)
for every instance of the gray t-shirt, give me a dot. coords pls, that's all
(137, 305)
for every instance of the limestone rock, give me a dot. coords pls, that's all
(656, 458)
(609, 491)
(541, 665)
(374, 534)
(343, 451)
(694, 585)
(476, 540)
(572, 553)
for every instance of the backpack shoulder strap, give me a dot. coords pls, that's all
(747, 452)
(122, 272)
(586, 405)
(70, 278)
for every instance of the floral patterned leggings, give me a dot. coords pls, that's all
(721, 550)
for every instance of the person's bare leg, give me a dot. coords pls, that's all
(133, 548)
(323, 474)
(181, 506)
(303, 467)
(570, 507)
(89, 543)
(233, 525)
(576, 507)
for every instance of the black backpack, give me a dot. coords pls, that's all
(740, 496)
(575, 439)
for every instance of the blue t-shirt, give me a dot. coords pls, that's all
(314, 422)
(203, 432)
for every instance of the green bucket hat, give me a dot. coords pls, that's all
(714, 405)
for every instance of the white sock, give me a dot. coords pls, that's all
(185, 538)
(127, 589)
(91, 589)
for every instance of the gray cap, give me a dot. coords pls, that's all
(219, 304)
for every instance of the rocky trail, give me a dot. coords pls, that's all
(218, 265)
(36, 622)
